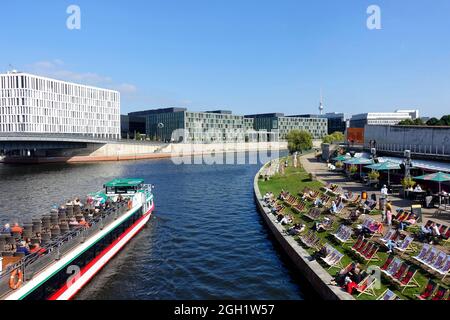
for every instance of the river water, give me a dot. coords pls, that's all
(205, 240)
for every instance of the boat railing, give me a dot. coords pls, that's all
(34, 263)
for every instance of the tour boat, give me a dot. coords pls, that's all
(76, 242)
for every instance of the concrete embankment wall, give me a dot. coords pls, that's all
(317, 276)
(124, 151)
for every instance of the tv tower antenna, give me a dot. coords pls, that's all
(321, 107)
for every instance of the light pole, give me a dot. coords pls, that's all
(160, 127)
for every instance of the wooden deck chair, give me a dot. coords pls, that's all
(428, 291)
(393, 267)
(400, 273)
(388, 295)
(389, 235)
(372, 254)
(440, 294)
(439, 262)
(445, 269)
(432, 255)
(388, 262)
(367, 286)
(409, 280)
(423, 253)
(407, 245)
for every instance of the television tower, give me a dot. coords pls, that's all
(321, 107)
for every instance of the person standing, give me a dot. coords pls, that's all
(383, 199)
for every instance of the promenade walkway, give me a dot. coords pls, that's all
(320, 170)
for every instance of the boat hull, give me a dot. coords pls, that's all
(72, 287)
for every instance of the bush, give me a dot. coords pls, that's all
(353, 169)
(408, 183)
(334, 137)
(339, 165)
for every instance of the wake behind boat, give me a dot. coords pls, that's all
(55, 256)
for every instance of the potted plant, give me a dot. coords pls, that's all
(407, 184)
(339, 165)
(373, 176)
(353, 169)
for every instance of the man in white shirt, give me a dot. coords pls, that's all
(418, 188)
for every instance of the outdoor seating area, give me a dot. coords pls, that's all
(357, 233)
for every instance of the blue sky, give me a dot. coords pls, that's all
(247, 56)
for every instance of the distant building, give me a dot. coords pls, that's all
(131, 126)
(382, 118)
(218, 125)
(336, 121)
(318, 127)
(34, 104)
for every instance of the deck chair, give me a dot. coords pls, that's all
(389, 235)
(423, 253)
(430, 288)
(407, 245)
(400, 273)
(393, 267)
(445, 269)
(313, 214)
(440, 294)
(299, 208)
(388, 262)
(439, 262)
(372, 254)
(367, 286)
(432, 255)
(388, 295)
(409, 279)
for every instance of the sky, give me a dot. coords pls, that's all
(247, 56)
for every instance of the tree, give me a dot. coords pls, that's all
(334, 137)
(432, 122)
(298, 141)
(410, 122)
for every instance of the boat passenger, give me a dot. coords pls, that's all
(17, 229)
(77, 202)
(83, 223)
(23, 248)
(7, 228)
(73, 222)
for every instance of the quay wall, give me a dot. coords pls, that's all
(316, 275)
(126, 151)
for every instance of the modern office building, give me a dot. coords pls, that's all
(336, 121)
(130, 126)
(34, 104)
(382, 118)
(210, 126)
(318, 127)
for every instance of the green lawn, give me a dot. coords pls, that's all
(295, 180)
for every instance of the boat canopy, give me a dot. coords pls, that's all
(124, 183)
(123, 186)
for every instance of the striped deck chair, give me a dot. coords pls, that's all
(313, 214)
(439, 262)
(440, 294)
(388, 262)
(432, 255)
(359, 242)
(333, 257)
(446, 236)
(428, 291)
(400, 273)
(445, 270)
(390, 235)
(367, 286)
(299, 208)
(388, 295)
(407, 245)
(362, 247)
(409, 279)
(393, 267)
(372, 254)
(423, 253)
(343, 235)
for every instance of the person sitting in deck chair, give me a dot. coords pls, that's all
(296, 229)
(318, 203)
(334, 207)
(374, 227)
(321, 226)
(286, 220)
(340, 277)
(405, 224)
(352, 280)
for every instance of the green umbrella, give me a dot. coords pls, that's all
(436, 177)
(385, 166)
(358, 161)
(341, 158)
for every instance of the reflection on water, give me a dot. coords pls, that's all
(205, 241)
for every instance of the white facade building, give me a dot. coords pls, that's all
(382, 118)
(34, 104)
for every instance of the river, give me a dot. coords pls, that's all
(206, 239)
